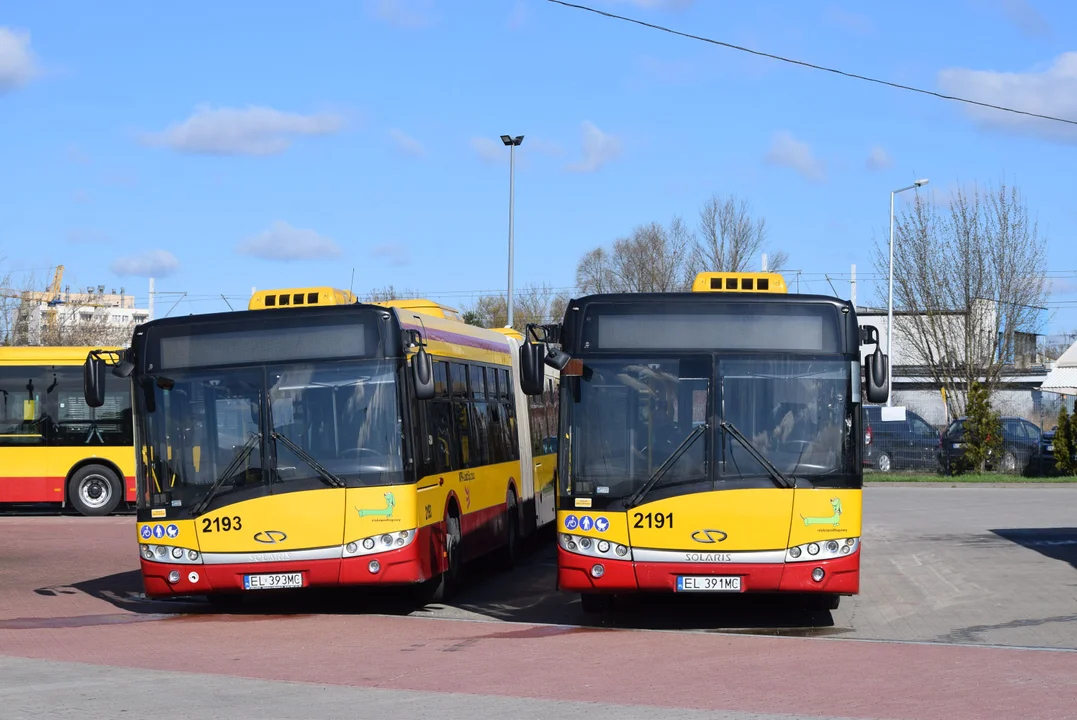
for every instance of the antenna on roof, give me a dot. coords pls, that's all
(352, 283)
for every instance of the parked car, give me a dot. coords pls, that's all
(1023, 447)
(911, 444)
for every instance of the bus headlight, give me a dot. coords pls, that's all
(170, 554)
(378, 543)
(825, 551)
(582, 545)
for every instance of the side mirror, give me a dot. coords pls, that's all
(877, 375)
(531, 375)
(123, 369)
(422, 370)
(558, 359)
(93, 381)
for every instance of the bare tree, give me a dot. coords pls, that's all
(651, 259)
(9, 304)
(389, 292)
(730, 239)
(533, 304)
(971, 280)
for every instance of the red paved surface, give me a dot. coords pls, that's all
(754, 674)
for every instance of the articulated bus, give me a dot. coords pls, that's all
(55, 449)
(312, 440)
(710, 441)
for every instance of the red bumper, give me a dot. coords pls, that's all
(574, 574)
(396, 567)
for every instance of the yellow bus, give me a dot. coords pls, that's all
(711, 440)
(312, 440)
(53, 447)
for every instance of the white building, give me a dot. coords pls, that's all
(79, 318)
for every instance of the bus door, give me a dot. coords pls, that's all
(24, 451)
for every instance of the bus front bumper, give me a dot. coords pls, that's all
(577, 573)
(402, 566)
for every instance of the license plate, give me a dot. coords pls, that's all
(273, 581)
(708, 583)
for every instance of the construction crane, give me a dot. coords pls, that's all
(53, 299)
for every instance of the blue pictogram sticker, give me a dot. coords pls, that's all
(602, 524)
(146, 532)
(172, 531)
(586, 523)
(158, 531)
(571, 522)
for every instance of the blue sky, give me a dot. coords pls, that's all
(224, 146)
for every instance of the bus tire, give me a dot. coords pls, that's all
(95, 490)
(448, 580)
(596, 603)
(510, 551)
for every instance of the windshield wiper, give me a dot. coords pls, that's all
(779, 478)
(328, 477)
(637, 497)
(239, 457)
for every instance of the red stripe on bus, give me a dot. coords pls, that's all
(31, 489)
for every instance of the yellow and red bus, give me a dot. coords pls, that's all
(312, 440)
(53, 447)
(710, 440)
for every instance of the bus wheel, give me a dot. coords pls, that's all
(596, 602)
(95, 490)
(446, 584)
(510, 551)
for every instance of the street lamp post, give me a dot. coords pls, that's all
(890, 294)
(512, 142)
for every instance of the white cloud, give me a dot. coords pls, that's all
(408, 14)
(397, 255)
(786, 151)
(599, 148)
(489, 151)
(406, 144)
(284, 242)
(1047, 91)
(17, 63)
(879, 159)
(1026, 18)
(152, 263)
(246, 131)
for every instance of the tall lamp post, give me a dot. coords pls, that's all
(512, 142)
(890, 294)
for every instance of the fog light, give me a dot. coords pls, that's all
(817, 574)
(571, 545)
(849, 542)
(147, 551)
(585, 542)
(795, 552)
(813, 549)
(603, 546)
(832, 546)
(597, 571)
(351, 548)
(400, 542)
(621, 550)
(192, 555)
(404, 534)
(368, 544)
(177, 553)
(844, 549)
(374, 566)
(193, 577)
(173, 577)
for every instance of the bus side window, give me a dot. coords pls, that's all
(22, 406)
(553, 407)
(460, 412)
(480, 421)
(439, 423)
(509, 408)
(536, 416)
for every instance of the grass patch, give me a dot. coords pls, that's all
(966, 478)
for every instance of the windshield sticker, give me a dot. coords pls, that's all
(571, 522)
(583, 502)
(158, 513)
(602, 524)
(834, 519)
(602, 490)
(387, 511)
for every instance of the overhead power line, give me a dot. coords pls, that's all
(813, 66)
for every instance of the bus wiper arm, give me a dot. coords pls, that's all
(239, 457)
(637, 497)
(326, 475)
(776, 474)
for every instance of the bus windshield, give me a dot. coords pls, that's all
(342, 415)
(627, 416)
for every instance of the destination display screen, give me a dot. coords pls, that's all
(263, 345)
(803, 329)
